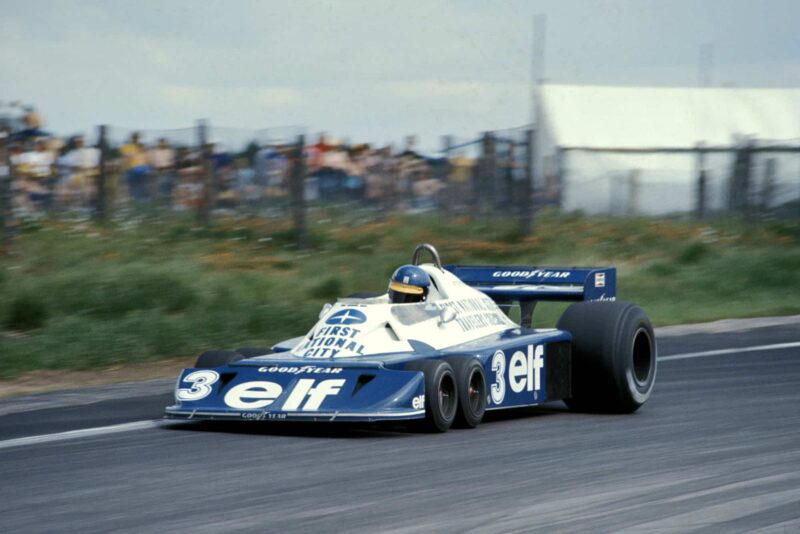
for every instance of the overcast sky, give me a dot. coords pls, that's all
(367, 71)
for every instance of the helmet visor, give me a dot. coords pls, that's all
(404, 298)
(405, 288)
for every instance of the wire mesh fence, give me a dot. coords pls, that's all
(747, 179)
(273, 172)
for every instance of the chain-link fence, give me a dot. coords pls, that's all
(748, 178)
(277, 171)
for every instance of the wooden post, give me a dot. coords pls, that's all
(6, 181)
(739, 185)
(297, 184)
(526, 193)
(701, 181)
(508, 175)
(448, 193)
(208, 172)
(101, 210)
(633, 192)
(768, 185)
(486, 179)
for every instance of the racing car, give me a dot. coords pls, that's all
(439, 348)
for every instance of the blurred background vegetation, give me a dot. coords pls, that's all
(79, 295)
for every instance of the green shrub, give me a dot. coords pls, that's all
(119, 291)
(26, 312)
(662, 268)
(330, 288)
(693, 252)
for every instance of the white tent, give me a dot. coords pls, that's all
(609, 135)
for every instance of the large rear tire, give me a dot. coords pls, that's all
(217, 358)
(613, 356)
(471, 384)
(441, 394)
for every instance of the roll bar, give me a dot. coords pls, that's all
(425, 247)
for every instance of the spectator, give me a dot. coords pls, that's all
(136, 168)
(81, 164)
(375, 178)
(271, 169)
(356, 170)
(38, 170)
(189, 188)
(460, 180)
(411, 167)
(162, 162)
(16, 158)
(31, 124)
(316, 153)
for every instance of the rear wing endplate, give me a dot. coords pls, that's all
(521, 283)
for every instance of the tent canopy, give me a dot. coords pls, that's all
(598, 117)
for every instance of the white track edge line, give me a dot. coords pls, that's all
(143, 425)
(722, 352)
(81, 433)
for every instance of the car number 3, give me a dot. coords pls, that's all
(201, 385)
(499, 386)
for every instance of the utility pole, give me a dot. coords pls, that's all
(6, 179)
(537, 62)
(297, 183)
(533, 144)
(101, 210)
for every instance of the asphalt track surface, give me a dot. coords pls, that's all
(716, 449)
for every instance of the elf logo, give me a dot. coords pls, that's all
(306, 396)
(522, 373)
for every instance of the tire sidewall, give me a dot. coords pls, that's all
(433, 407)
(434, 372)
(603, 356)
(465, 368)
(632, 323)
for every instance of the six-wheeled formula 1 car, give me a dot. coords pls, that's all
(445, 359)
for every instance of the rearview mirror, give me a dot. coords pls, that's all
(446, 315)
(327, 306)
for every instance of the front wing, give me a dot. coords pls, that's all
(289, 391)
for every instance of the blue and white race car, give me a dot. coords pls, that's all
(439, 347)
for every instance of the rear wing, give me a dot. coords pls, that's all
(519, 283)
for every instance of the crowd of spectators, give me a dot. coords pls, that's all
(55, 174)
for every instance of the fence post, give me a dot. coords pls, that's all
(486, 174)
(6, 180)
(101, 211)
(560, 179)
(633, 192)
(702, 180)
(297, 184)
(526, 194)
(739, 185)
(508, 174)
(447, 194)
(208, 172)
(768, 185)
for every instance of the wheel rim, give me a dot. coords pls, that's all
(475, 391)
(642, 357)
(447, 396)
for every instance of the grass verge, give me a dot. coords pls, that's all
(79, 296)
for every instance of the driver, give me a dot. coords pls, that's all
(409, 283)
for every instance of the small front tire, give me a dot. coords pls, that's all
(471, 384)
(217, 358)
(252, 352)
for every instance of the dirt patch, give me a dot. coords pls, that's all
(43, 381)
